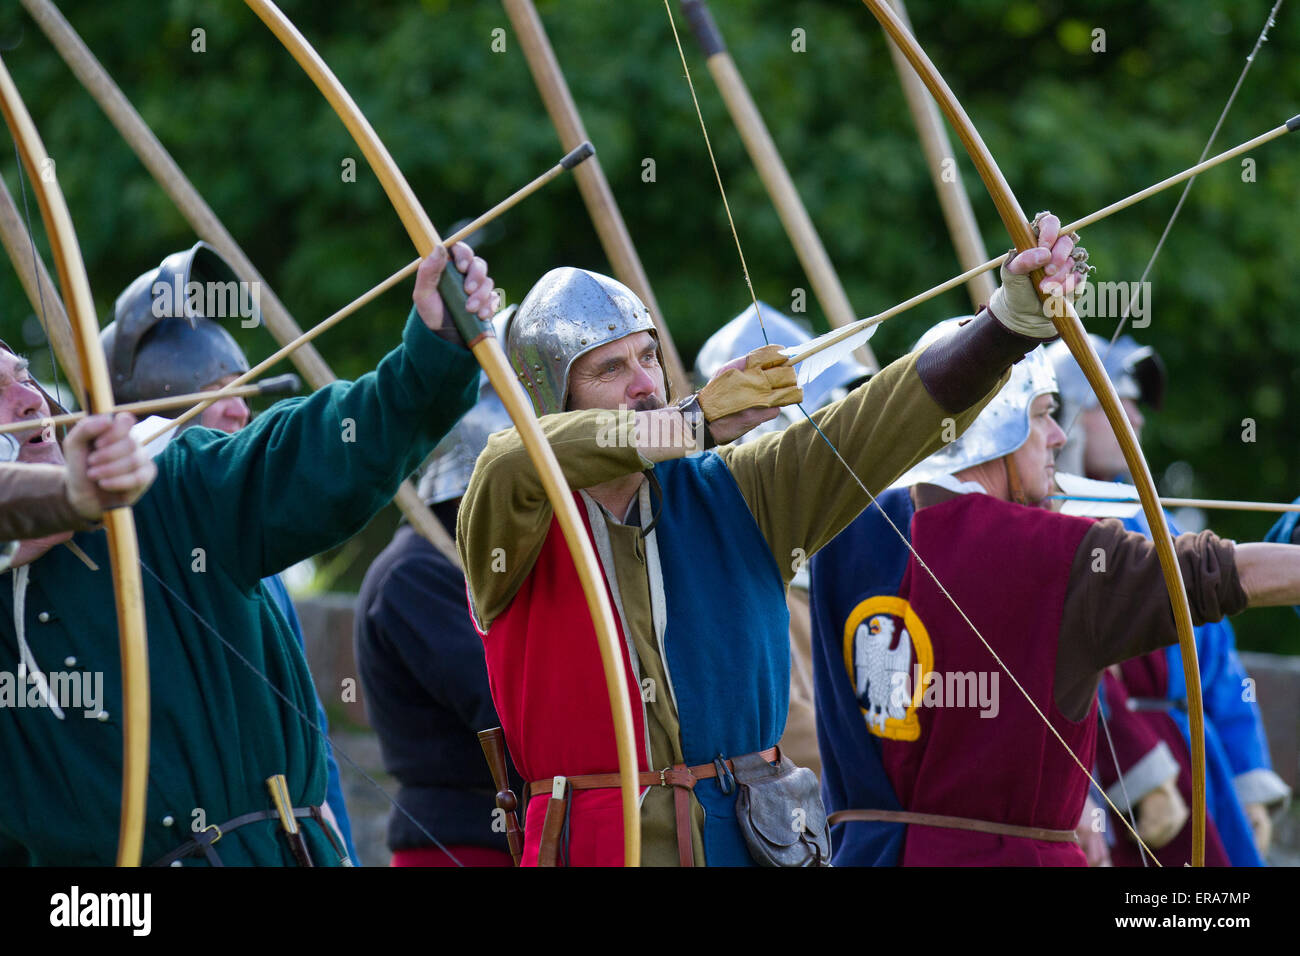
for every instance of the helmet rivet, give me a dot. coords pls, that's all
(584, 342)
(611, 326)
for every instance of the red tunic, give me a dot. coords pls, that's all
(542, 666)
(1008, 567)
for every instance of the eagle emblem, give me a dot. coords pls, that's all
(885, 643)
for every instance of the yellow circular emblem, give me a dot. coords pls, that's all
(887, 653)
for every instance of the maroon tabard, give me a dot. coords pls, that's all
(977, 748)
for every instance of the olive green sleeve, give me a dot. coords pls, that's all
(801, 496)
(506, 514)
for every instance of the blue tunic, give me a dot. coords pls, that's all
(728, 660)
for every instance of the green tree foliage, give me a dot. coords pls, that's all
(1073, 128)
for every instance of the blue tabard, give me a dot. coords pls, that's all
(867, 558)
(727, 640)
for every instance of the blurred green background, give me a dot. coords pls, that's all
(1072, 130)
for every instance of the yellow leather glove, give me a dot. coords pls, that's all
(767, 381)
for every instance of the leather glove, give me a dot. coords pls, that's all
(767, 381)
(1161, 814)
(1015, 302)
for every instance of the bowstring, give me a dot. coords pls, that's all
(1110, 743)
(872, 498)
(309, 721)
(744, 267)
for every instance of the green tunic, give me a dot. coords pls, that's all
(225, 512)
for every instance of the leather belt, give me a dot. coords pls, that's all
(205, 838)
(952, 823)
(681, 777)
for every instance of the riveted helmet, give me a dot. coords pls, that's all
(1003, 424)
(566, 314)
(1136, 371)
(165, 338)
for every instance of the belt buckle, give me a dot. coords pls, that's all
(211, 826)
(663, 777)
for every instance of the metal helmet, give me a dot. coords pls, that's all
(1001, 427)
(1135, 370)
(161, 342)
(566, 314)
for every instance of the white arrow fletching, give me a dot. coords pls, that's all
(1118, 499)
(140, 431)
(817, 355)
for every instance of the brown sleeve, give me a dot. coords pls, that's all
(963, 367)
(1117, 606)
(34, 503)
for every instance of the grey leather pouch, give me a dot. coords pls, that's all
(780, 813)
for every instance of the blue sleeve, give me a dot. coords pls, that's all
(1233, 710)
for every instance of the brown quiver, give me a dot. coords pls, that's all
(493, 741)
